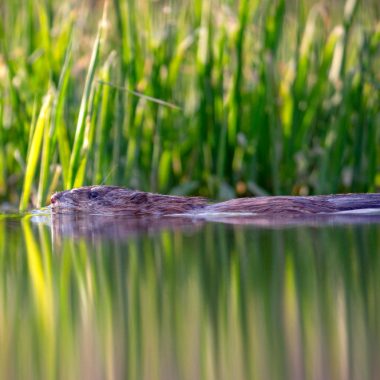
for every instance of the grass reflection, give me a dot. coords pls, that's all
(216, 302)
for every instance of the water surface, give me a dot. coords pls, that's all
(108, 298)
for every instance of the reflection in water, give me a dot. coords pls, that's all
(115, 227)
(190, 300)
(119, 227)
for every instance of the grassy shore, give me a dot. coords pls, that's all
(217, 98)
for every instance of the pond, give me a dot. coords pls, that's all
(106, 298)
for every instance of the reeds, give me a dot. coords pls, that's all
(271, 97)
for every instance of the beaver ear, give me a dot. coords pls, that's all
(139, 198)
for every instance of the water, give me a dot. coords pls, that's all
(106, 298)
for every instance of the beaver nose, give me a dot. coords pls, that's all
(54, 198)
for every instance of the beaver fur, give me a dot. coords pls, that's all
(118, 200)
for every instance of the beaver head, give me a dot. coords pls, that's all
(118, 200)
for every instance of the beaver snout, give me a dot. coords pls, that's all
(54, 198)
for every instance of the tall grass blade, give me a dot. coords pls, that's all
(81, 123)
(142, 96)
(58, 124)
(34, 151)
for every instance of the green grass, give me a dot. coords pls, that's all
(272, 97)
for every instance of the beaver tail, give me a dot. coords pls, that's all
(288, 205)
(345, 203)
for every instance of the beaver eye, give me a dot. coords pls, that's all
(93, 194)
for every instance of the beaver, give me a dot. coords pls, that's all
(114, 200)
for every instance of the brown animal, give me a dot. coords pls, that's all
(105, 200)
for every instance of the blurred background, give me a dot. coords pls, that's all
(249, 97)
(215, 98)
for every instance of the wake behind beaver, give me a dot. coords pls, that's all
(114, 200)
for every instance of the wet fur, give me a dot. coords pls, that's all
(118, 200)
(322, 204)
